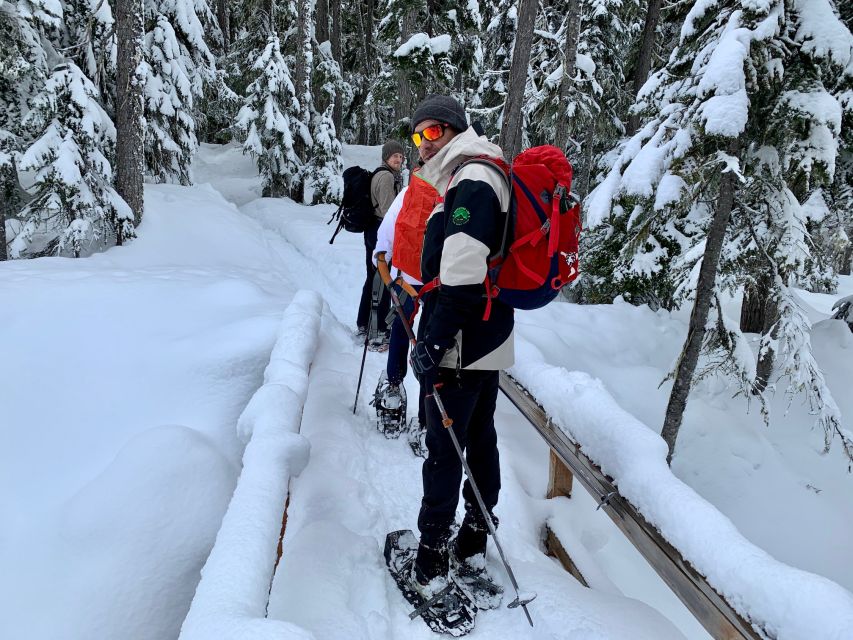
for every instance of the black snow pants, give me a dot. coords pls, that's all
(469, 399)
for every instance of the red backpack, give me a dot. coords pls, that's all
(539, 252)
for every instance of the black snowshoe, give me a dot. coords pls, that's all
(390, 403)
(449, 610)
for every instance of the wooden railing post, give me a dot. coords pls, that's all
(559, 478)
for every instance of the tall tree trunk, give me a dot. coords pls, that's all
(130, 161)
(699, 316)
(846, 261)
(224, 26)
(321, 34)
(403, 104)
(755, 305)
(644, 57)
(302, 80)
(570, 56)
(321, 21)
(269, 6)
(365, 22)
(3, 206)
(588, 147)
(513, 120)
(337, 54)
(764, 367)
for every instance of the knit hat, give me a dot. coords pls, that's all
(443, 109)
(390, 148)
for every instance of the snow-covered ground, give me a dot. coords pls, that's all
(125, 374)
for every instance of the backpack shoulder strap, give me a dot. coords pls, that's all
(498, 164)
(505, 170)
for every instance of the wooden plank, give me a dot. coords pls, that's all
(559, 478)
(709, 607)
(556, 549)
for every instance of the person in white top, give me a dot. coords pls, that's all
(390, 397)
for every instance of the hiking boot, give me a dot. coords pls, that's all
(470, 545)
(427, 588)
(431, 563)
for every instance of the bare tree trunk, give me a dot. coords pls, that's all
(321, 21)
(766, 359)
(588, 147)
(561, 135)
(224, 26)
(303, 89)
(846, 261)
(644, 57)
(513, 120)
(365, 22)
(756, 305)
(403, 104)
(321, 35)
(3, 227)
(337, 54)
(130, 161)
(699, 316)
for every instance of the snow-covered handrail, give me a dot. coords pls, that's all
(729, 583)
(231, 599)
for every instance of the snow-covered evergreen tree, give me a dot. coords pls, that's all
(268, 117)
(430, 47)
(88, 39)
(499, 18)
(179, 67)
(24, 61)
(326, 162)
(743, 94)
(74, 204)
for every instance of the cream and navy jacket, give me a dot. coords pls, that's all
(461, 234)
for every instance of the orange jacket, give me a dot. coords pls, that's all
(418, 203)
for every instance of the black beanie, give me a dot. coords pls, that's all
(390, 148)
(442, 108)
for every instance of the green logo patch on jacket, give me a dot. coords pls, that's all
(460, 216)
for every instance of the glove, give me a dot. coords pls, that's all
(425, 358)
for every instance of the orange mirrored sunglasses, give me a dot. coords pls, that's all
(431, 133)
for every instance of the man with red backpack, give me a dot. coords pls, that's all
(461, 347)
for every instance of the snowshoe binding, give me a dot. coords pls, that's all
(475, 580)
(390, 403)
(378, 343)
(444, 607)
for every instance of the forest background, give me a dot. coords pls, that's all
(711, 139)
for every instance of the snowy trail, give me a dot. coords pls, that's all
(358, 486)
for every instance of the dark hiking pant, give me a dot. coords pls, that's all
(470, 402)
(363, 319)
(398, 346)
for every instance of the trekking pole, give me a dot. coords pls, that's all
(521, 600)
(360, 372)
(371, 323)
